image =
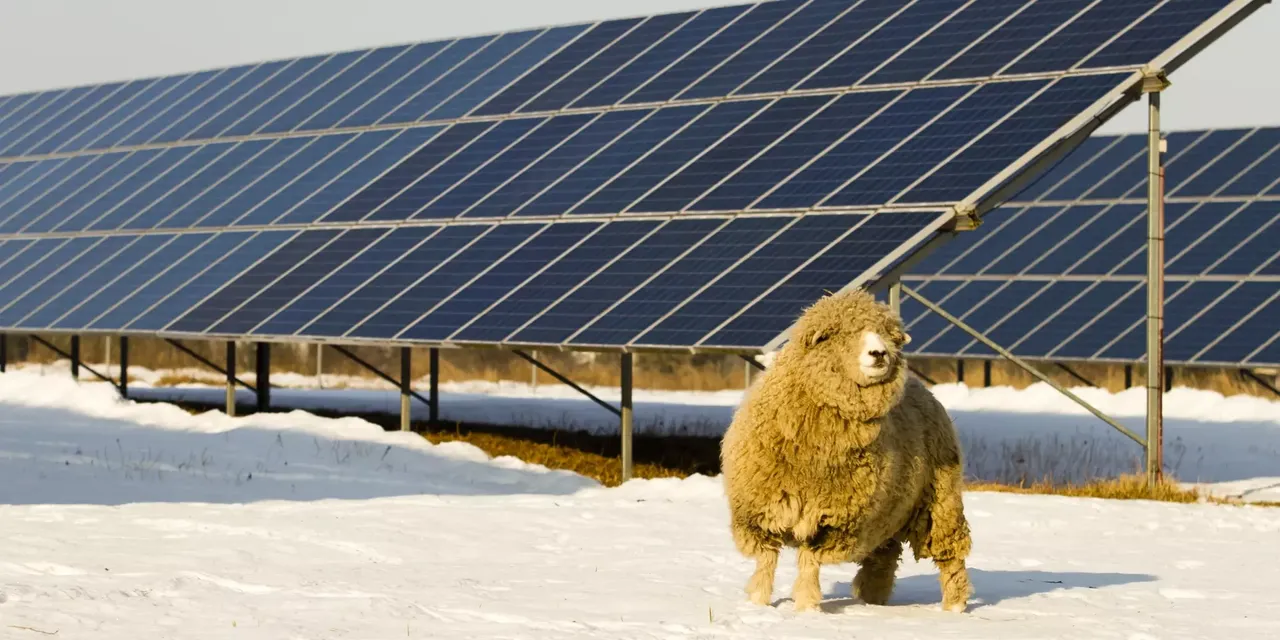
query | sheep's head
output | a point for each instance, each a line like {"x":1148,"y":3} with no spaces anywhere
{"x":851,"y":346}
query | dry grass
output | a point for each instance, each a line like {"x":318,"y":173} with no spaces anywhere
{"x":1128,"y":487}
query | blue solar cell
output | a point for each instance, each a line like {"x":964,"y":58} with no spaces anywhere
{"x":441,"y":279}
{"x":341,"y":282}
{"x":608,"y":60}
{"x":185,"y":205}
{"x":44,"y":122}
{"x":11,"y":250}
{"x":130,"y":278}
{"x":663,"y":54}
{"x":418,"y":80}
{"x":102,"y":109}
{"x":503,"y":167}
{"x":40,"y":266}
{"x":556,"y":281}
{"x":1069,"y":46}
{"x":1004,"y":231}
{"x":1235,"y":227}
{"x":432,"y":184}
{"x":822,"y":46}
{"x":288,"y":182}
{"x":1079,"y":158}
{"x":1233,"y":303}
{"x":541,"y":174}
{"x":354,"y":168}
{"x":1260,"y":249}
{"x":172,"y":89}
{"x":1071,"y":315}
{"x":408,"y":268}
{"x":1180,"y":169}
{"x":1156,"y":33}
{"x":141,"y":209}
{"x":1249,"y":341}
{"x":999,"y":48}
{"x":92,"y":277}
{"x":34,"y":253}
{"x":175,"y":292}
{"x":725,"y":157}
{"x":563,"y":62}
{"x":504,"y":74}
{"x":1185,"y":223}
{"x":225,"y":202}
{"x":925,"y":324}
{"x":832,"y":271}
{"x":40,"y":194}
{"x":336,"y":86}
{"x":1110,"y":238}
{"x":1033,"y":122}
{"x":1099,"y":331}
{"x":753,"y":277}
{"x":402,"y":61}
{"x":50,"y":134}
{"x":1124,"y":152}
{"x":1029,"y":250}
{"x":47,"y":279}
{"x":306,"y":82}
{"x":852,"y":66}
{"x":156,"y":129}
{"x":729,"y":41}
{"x":76,"y":211}
{"x":106,"y":211}
{"x":944,"y":42}
{"x":208,"y":119}
{"x":113,"y":112}
{"x":499,"y":280}
{"x":885,"y":180}
{"x":24,"y":185}
{"x":1011,"y":314}
{"x":1182,"y":302}
{"x":492,"y":56}
{"x":266,"y":300}
{"x":678,"y":281}
{"x":404,"y":174}
{"x":1261,"y":178}
{"x":635,"y":182}
{"x":25,"y":113}
{"x":855,"y":153}
{"x":753,"y":59}
{"x":255,"y":276}
{"x":1215,"y":173}
{"x":585,"y":179}
{"x":612,"y":284}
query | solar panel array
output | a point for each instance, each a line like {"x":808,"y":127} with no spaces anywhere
{"x":689,"y":180}
{"x":1060,"y":272}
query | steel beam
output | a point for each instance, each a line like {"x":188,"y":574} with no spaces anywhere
{"x":231,"y":378}
{"x":986,"y":374}
{"x":4,"y":352}
{"x":627,"y":418}
{"x":977,"y":335}
{"x":75,"y":358}
{"x":124,"y":367}
{"x":1153,"y":85}
{"x":1256,"y":378}
{"x":895,"y":298}
{"x":378,"y":372}
{"x":263,"y":365}
{"x":406,"y":389}
{"x":434,"y":389}
{"x":1072,"y":372}
{"x":48,"y":345}
{"x":560,"y":377}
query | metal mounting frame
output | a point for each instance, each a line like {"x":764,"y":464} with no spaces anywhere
{"x":404,"y":383}
{"x":76,"y":365}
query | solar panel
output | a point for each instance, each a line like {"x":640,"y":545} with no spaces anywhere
{"x":1059,"y":271}
{"x":680,"y":181}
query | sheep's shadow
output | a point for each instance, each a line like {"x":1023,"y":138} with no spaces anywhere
{"x":990,"y":587}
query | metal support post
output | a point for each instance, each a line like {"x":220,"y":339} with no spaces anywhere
{"x":406,"y":389}
{"x":231,"y":379}
{"x":264,"y":376}
{"x":986,"y":374}
{"x":320,"y":366}
{"x":75,"y":357}
{"x":124,"y":367}
{"x":434,"y":390}
{"x":627,"y":469}
{"x":1153,"y":85}
{"x":1128,"y":376}
{"x":4,"y":352}
{"x":895,"y":298}
{"x":960,"y":371}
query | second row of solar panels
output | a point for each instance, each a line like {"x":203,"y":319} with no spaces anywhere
{"x":740,"y":50}
{"x":859,"y":149}
{"x":648,"y":282}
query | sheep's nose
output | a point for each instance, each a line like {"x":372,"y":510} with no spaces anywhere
{"x":878,"y":354}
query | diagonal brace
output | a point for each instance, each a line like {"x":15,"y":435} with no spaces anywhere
{"x":378,"y":372}
{"x":558,"y":376}
{"x":1018,"y":361}
{"x":753,"y":362}
{"x":206,"y":362}
{"x":1072,"y":372}
{"x":1258,"y":379}
{"x":84,"y":366}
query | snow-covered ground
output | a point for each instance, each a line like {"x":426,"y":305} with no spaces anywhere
{"x":124,"y":520}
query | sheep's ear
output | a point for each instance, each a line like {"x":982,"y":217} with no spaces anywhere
{"x":906,"y":339}
{"x":817,"y":336}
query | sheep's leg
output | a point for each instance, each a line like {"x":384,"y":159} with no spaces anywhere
{"x":760,"y":587}
{"x":874,"y":582}
{"x":807,"y":591}
{"x":955,"y":585}
{"x":946,"y":537}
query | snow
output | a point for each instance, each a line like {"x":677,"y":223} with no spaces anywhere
{"x":126,"y":520}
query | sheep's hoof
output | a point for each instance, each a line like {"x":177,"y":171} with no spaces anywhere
{"x":761,"y":598}
{"x":807,"y":606}
{"x":955,"y":607}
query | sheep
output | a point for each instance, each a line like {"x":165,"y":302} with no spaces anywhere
{"x":836,"y":451}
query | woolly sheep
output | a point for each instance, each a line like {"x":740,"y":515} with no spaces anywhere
{"x":836,"y":451}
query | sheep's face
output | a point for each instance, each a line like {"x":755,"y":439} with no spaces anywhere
{"x":877,"y":359}
{"x":855,"y":337}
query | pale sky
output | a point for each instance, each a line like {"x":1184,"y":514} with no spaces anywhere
{"x":57,"y":43}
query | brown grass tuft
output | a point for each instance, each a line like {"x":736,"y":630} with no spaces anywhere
{"x":1128,"y":487}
